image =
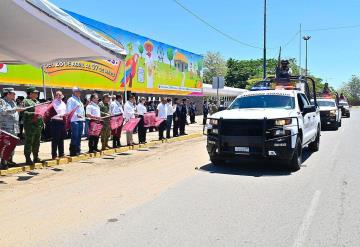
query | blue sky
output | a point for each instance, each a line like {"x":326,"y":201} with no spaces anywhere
{"x":334,"y":55}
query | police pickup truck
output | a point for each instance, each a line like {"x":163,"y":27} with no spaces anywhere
{"x":271,"y":124}
{"x":330,"y":112}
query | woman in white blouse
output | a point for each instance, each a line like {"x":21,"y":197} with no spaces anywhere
{"x":116,"y":108}
{"x":57,"y":126}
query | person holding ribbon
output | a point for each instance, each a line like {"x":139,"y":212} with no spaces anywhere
{"x":9,"y":120}
{"x":57,"y":126}
{"x":141,"y":110}
{"x":116,"y":108}
{"x":129,"y":113}
{"x":33,"y":125}
{"x":105,"y":112}
{"x":77,"y":121}
{"x":94,"y":114}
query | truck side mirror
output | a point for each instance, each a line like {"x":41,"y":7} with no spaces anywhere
{"x":309,"y":109}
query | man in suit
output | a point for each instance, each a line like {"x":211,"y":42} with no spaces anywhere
{"x":183,"y":115}
{"x":176,"y":117}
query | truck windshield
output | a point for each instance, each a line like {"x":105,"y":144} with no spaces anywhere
{"x":326,"y":103}
{"x":263,"y":101}
{"x":343,"y":104}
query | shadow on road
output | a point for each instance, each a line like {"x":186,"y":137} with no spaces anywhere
{"x":263,"y":168}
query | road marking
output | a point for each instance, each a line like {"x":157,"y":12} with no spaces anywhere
{"x":302,"y":233}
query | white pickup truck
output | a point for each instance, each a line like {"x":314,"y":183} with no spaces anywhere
{"x":270,"y":124}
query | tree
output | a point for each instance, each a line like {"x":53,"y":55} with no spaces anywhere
{"x":199,"y":66}
{"x":351,"y":89}
{"x":170,"y":55}
{"x":141,"y":50}
{"x":214,"y":65}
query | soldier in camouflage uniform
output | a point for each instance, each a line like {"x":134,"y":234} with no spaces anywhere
{"x":106,"y":131}
{"x":9,"y":118}
{"x":32,"y":126}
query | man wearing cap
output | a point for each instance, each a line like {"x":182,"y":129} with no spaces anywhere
{"x":77,"y":121}
{"x":105,"y":112}
{"x":32,"y":125}
{"x":9,"y":118}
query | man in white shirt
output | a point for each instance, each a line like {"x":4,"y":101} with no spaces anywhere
{"x":170,"y":112}
{"x":141,"y":110}
{"x":116,"y":108}
{"x":129,"y":113}
{"x":93,"y":112}
{"x":57,"y":126}
{"x":162,"y":114}
{"x":77,"y":121}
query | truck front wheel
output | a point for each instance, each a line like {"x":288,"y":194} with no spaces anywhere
{"x":295,"y":162}
{"x":216,"y":161}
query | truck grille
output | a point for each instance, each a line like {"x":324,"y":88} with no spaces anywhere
{"x":241,"y":127}
{"x":324,"y":113}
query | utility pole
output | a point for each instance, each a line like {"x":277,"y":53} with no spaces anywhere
{"x":264,"y":58}
{"x":306,"y":38}
{"x":300,"y":48}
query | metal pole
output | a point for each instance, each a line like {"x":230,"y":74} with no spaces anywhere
{"x":217,"y":91}
{"x":306,"y":57}
{"x":125,"y":94}
{"x":264,"y":59}
{"x":43,"y":81}
{"x":300,"y":47}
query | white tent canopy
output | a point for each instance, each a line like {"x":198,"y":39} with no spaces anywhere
{"x":37,"y":32}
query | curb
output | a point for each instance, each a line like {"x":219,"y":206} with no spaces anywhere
{"x":68,"y":159}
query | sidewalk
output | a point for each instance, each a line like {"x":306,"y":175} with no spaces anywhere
{"x":45,"y":147}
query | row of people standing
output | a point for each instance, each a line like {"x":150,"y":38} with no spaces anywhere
{"x":173,"y":113}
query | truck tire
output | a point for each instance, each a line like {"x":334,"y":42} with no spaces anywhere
{"x":336,"y":126}
{"x":296,"y":160}
{"x":315,"y":145}
{"x":340,"y":123}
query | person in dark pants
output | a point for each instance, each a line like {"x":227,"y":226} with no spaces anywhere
{"x":170,"y":112}
{"x":176,"y":117}
{"x":192,"y":111}
{"x":183,"y":115}
{"x":205,"y":111}
{"x":57,"y":126}
{"x":94,"y":114}
{"x":141,"y":110}
{"x":162,"y":114}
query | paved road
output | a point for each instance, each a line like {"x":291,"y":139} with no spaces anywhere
{"x":158,"y":198}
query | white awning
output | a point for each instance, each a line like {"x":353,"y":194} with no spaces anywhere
{"x":37,"y":32}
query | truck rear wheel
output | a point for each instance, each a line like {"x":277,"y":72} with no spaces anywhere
{"x":296,"y":161}
{"x":315,"y":145}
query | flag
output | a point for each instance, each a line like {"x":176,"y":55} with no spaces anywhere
{"x":116,"y":122}
{"x":95,"y":128}
{"x":3,"y":68}
{"x":68,"y":116}
{"x":158,"y":121}
{"x":45,"y":110}
{"x":8,"y":143}
{"x":149,"y":119}
{"x":131,"y":125}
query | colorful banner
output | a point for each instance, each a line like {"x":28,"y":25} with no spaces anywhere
{"x":151,"y":67}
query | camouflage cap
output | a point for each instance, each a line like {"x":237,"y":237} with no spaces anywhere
{"x":31,"y":90}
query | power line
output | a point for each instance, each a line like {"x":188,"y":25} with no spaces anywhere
{"x":332,"y":28}
{"x":215,"y":28}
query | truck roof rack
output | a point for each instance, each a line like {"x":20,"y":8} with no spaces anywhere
{"x":300,"y":83}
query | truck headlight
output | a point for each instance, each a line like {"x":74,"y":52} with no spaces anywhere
{"x":212,"y":124}
{"x":279,"y":132}
{"x":214,"y":121}
{"x":333,"y":113}
{"x":283,"y":122}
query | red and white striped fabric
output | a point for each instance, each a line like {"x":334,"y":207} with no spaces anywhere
{"x":3,"y":68}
